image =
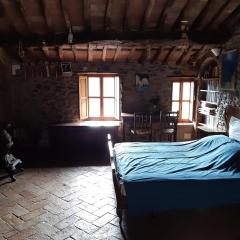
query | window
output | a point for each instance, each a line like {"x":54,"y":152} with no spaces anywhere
{"x":99,"y":97}
{"x":182,"y":99}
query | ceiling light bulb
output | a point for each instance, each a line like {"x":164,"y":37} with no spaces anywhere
{"x":70,"y":36}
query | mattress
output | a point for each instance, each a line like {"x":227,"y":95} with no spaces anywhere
{"x":167,"y":176}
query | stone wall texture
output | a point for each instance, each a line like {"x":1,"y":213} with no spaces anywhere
{"x":41,"y":97}
{"x":5,"y":94}
{"x":230,"y":97}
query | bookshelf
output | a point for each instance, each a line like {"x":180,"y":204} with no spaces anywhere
{"x":207,"y":96}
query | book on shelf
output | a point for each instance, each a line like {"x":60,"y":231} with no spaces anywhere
{"x":206,"y":103}
{"x":207,"y":110}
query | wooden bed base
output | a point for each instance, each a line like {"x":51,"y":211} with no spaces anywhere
{"x":229,"y":112}
{"x":121,"y":200}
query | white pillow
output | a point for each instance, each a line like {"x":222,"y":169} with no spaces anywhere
{"x":234,"y":128}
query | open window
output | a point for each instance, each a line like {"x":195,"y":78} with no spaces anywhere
{"x":99,"y":97}
{"x":182,"y":99}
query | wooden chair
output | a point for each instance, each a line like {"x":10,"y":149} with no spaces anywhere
{"x":168,"y":125}
{"x":142,"y":126}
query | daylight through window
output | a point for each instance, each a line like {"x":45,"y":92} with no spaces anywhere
{"x":99,"y":97}
{"x":182,"y":99}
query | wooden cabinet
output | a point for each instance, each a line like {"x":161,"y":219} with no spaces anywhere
{"x":207,"y":96}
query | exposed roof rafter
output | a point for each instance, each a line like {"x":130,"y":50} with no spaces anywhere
{"x":107,"y":15}
{"x":147,"y":13}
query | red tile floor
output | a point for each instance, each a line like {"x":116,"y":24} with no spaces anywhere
{"x":59,"y":203}
{"x":77,"y":203}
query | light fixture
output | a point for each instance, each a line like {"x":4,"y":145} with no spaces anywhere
{"x":216,"y":51}
{"x":184,"y":29}
{"x":21,"y":52}
{"x":70,"y":36}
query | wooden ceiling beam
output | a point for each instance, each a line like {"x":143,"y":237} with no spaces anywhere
{"x":104,"y":54}
{"x":147,"y":13}
{"x":179,"y":19}
{"x":90,"y":53}
{"x":21,"y":7}
{"x":217,"y":14}
{"x":83,"y":37}
{"x":118,"y":50}
{"x":172,"y":14}
{"x":168,"y":55}
{"x":162,"y":15}
{"x":133,"y":49}
{"x":45,"y":15}
{"x":182,"y":56}
{"x":203,"y":52}
{"x":14,"y":18}
{"x":87,"y":15}
{"x":156,"y":56}
{"x":201,"y":15}
{"x":125,"y":16}
{"x":193,"y":58}
{"x":107,"y":15}
{"x":74,"y":50}
{"x":63,"y":5}
{"x":60,"y":53}
{"x":4,"y":57}
{"x":231,"y":19}
{"x":2,"y":10}
{"x":146,"y":56}
{"x":45,"y":50}
{"x":200,"y":50}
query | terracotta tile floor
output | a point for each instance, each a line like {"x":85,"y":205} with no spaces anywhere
{"x":59,"y":203}
{"x":78,"y":203}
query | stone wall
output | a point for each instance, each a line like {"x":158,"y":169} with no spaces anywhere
{"x":5,"y":94}
{"x":230,"y":97}
{"x":39,"y":100}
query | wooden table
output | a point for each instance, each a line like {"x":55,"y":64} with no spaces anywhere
{"x":128,"y":119}
{"x":203,"y":131}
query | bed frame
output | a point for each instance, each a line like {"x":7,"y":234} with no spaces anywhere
{"x":229,"y":112}
{"x":121,"y":200}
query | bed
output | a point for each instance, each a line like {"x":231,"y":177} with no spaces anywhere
{"x":150,"y":178}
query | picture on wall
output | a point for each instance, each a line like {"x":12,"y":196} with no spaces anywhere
{"x":66,"y":69}
{"x":142,"y":82}
{"x":229,"y":66}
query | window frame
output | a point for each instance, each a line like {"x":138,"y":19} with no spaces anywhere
{"x":181,"y":101}
{"x":101,"y":97}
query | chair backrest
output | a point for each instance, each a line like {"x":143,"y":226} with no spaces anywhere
{"x":142,"y":120}
{"x":169,"y":120}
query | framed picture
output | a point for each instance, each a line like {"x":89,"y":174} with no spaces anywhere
{"x":228,"y":69}
{"x":142,"y":82}
{"x":66,"y":69}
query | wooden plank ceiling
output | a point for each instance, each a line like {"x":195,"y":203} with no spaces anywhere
{"x":116,"y":30}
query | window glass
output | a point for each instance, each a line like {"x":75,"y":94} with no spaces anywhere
{"x":108,"y":107}
{"x":191,"y":112}
{"x":186,"y":91}
{"x":108,"y":86}
{"x":192,"y":91}
{"x":99,"y":97}
{"x":185,"y":110}
{"x":94,"y":107}
{"x":175,"y":91}
{"x":94,"y":86}
{"x":175,"y":106}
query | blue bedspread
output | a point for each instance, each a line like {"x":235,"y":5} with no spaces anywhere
{"x":167,"y":176}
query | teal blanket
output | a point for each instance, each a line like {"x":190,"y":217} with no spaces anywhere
{"x":200,"y":173}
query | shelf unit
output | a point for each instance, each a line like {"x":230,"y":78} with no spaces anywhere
{"x":207,"y":96}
